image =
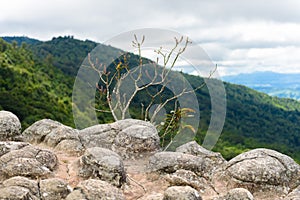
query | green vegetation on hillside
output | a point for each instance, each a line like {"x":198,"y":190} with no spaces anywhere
{"x":31,"y":89}
{"x":33,"y":86}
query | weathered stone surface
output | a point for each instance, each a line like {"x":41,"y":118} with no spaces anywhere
{"x":187,"y":178}
{"x":28,"y":161}
{"x":70,"y":146}
{"x":181,"y":193}
{"x":103,"y":164}
{"x":53,"y":134}
{"x":10,"y":126}
{"x":237,"y":194}
{"x":212,"y":160}
{"x":294,"y":195}
{"x":15,"y":193}
{"x":53,"y":189}
{"x":130,"y":138}
{"x":101,"y":135}
{"x":22,"y":182}
{"x":92,"y":189}
{"x":6,"y":147}
{"x":157,"y":196}
{"x":137,"y":140}
{"x":260,"y":168}
{"x":170,"y":162}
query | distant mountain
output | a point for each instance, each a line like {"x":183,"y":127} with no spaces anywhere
{"x":20,"y":39}
{"x":274,"y":84}
{"x":36,"y":82}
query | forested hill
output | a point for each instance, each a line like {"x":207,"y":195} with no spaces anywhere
{"x":36,"y":82}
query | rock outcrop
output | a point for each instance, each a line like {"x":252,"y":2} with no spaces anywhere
{"x":181,"y":193}
{"x":123,"y":160}
{"x":53,"y":134}
{"x":10,"y":126}
{"x":103,"y":164}
{"x":237,"y":194}
{"x":95,"y":190}
{"x":263,"y":169}
{"x":28,"y":161}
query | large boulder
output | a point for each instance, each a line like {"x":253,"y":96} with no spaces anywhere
{"x":20,"y":188}
{"x":10,"y":126}
{"x":53,"y":134}
{"x":53,"y":189}
{"x":212,"y":160}
{"x":187,"y":178}
{"x":130,"y":138}
{"x":103,"y":164}
{"x":170,"y":162}
{"x":28,"y":161}
{"x":181,"y":193}
{"x":92,"y":189}
{"x":101,"y":135}
{"x":237,"y":194}
{"x":137,"y":140}
{"x":260,"y":169}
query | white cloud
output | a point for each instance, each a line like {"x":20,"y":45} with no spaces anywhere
{"x":237,"y":35}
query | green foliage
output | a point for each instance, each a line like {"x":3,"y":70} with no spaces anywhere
{"x":32,"y":88}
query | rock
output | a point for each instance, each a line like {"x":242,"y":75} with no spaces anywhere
{"x":70,"y":146}
{"x":294,"y":195}
{"x":25,"y":184}
{"x":10,"y":126}
{"x":130,"y":138}
{"x":53,"y":189}
{"x":181,"y":193}
{"x":103,"y":164}
{"x":212,"y":160}
{"x":6,"y":147}
{"x":137,"y":141}
{"x":187,"y":178}
{"x":170,"y":162}
{"x":28,"y":161}
{"x":264,"y":169}
{"x":101,"y":135}
{"x":92,"y":189}
{"x":15,"y":193}
{"x":53,"y":134}
{"x":237,"y":194}
{"x":156,"y":196}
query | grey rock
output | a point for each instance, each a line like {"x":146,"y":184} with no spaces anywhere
{"x":101,"y":135}
{"x":92,"y":189}
{"x":187,"y":178}
{"x":263,"y":168}
{"x":212,"y":160}
{"x":237,"y":194}
{"x":70,"y":146}
{"x":28,"y":161}
{"x":181,"y":193}
{"x":294,"y":195}
{"x":6,"y":147}
{"x":53,"y":134}
{"x":53,"y":189}
{"x":10,"y":126}
{"x":137,"y":141}
{"x":15,"y":193}
{"x":103,"y":164}
{"x":170,"y":162}
{"x":30,"y":185}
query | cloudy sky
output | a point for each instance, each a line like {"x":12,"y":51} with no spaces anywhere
{"x":240,"y":36}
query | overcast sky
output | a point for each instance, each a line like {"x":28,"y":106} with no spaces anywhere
{"x":239,"y":35}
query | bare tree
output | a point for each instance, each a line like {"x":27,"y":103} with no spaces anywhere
{"x":120,"y":85}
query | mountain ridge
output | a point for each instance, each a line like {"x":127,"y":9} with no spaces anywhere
{"x":253,"y":120}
